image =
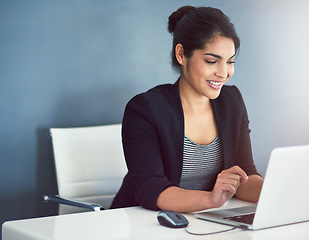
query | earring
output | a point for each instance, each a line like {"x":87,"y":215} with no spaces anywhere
{"x":180,"y":61}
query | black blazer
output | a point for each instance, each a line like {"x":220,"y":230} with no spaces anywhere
{"x":153,"y":136}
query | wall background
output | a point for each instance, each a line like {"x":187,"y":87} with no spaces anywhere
{"x":76,"y":63}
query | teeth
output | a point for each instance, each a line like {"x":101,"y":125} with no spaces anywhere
{"x":215,"y":83}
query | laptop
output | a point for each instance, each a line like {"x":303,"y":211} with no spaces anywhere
{"x":284,"y":197}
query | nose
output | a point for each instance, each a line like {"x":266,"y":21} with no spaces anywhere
{"x":221,"y":71}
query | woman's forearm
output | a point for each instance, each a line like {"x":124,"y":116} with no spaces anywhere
{"x":182,"y":200}
{"x":227,"y":184}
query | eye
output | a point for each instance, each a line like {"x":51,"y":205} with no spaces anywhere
{"x":231,"y":62}
{"x":210,"y":62}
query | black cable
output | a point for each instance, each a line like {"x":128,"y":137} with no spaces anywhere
{"x":210,"y":233}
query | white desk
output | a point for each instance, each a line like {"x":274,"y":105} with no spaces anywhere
{"x":135,"y":223}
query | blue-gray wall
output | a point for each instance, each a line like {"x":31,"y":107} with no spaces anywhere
{"x":77,"y":62}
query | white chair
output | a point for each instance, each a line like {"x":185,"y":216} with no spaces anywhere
{"x":90,"y":166}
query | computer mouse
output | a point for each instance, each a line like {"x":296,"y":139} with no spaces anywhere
{"x":172,"y":219}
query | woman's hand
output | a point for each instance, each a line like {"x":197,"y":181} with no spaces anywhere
{"x":227,"y":184}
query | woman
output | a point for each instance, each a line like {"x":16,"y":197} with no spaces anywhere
{"x":187,"y":144}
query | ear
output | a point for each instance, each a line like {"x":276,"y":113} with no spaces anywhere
{"x":179,"y":53}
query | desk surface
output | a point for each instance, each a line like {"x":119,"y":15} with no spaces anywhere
{"x":136,"y":223}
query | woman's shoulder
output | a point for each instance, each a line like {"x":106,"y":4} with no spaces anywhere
{"x":156,"y":95}
{"x":158,"y":105}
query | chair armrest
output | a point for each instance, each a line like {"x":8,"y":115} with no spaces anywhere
{"x":56,"y":198}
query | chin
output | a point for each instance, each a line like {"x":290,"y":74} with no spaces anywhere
{"x":214,"y":95}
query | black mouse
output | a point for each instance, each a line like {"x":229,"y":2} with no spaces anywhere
{"x":172,"y":219}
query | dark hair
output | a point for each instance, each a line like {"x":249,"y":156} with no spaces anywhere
{"x":195,"y":27}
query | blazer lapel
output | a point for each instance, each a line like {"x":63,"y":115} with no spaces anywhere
{"x":224,"y":130}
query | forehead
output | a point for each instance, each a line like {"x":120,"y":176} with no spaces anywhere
{"x":221,"y":46}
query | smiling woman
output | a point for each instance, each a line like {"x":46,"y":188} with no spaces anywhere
{"x":208,"y":69}
{"x":187,"y":145}
{"x":202,"y":78}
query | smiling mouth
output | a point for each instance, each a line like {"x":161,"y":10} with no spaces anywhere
{"x":215,"y":83}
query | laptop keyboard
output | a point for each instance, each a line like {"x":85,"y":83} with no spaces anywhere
{"x":245,"y":218}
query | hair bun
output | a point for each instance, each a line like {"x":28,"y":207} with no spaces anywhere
{"x":177,"y":16}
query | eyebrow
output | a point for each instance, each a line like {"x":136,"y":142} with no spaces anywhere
{"x":217,"y":56}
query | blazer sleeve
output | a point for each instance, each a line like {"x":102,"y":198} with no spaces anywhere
{"x":142,"y":149}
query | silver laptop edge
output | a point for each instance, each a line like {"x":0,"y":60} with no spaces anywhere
{"x":282,"y":199}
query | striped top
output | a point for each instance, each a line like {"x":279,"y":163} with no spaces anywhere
{"x":201,"y":164}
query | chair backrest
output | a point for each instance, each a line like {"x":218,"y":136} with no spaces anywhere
{"x":89,"y":163}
